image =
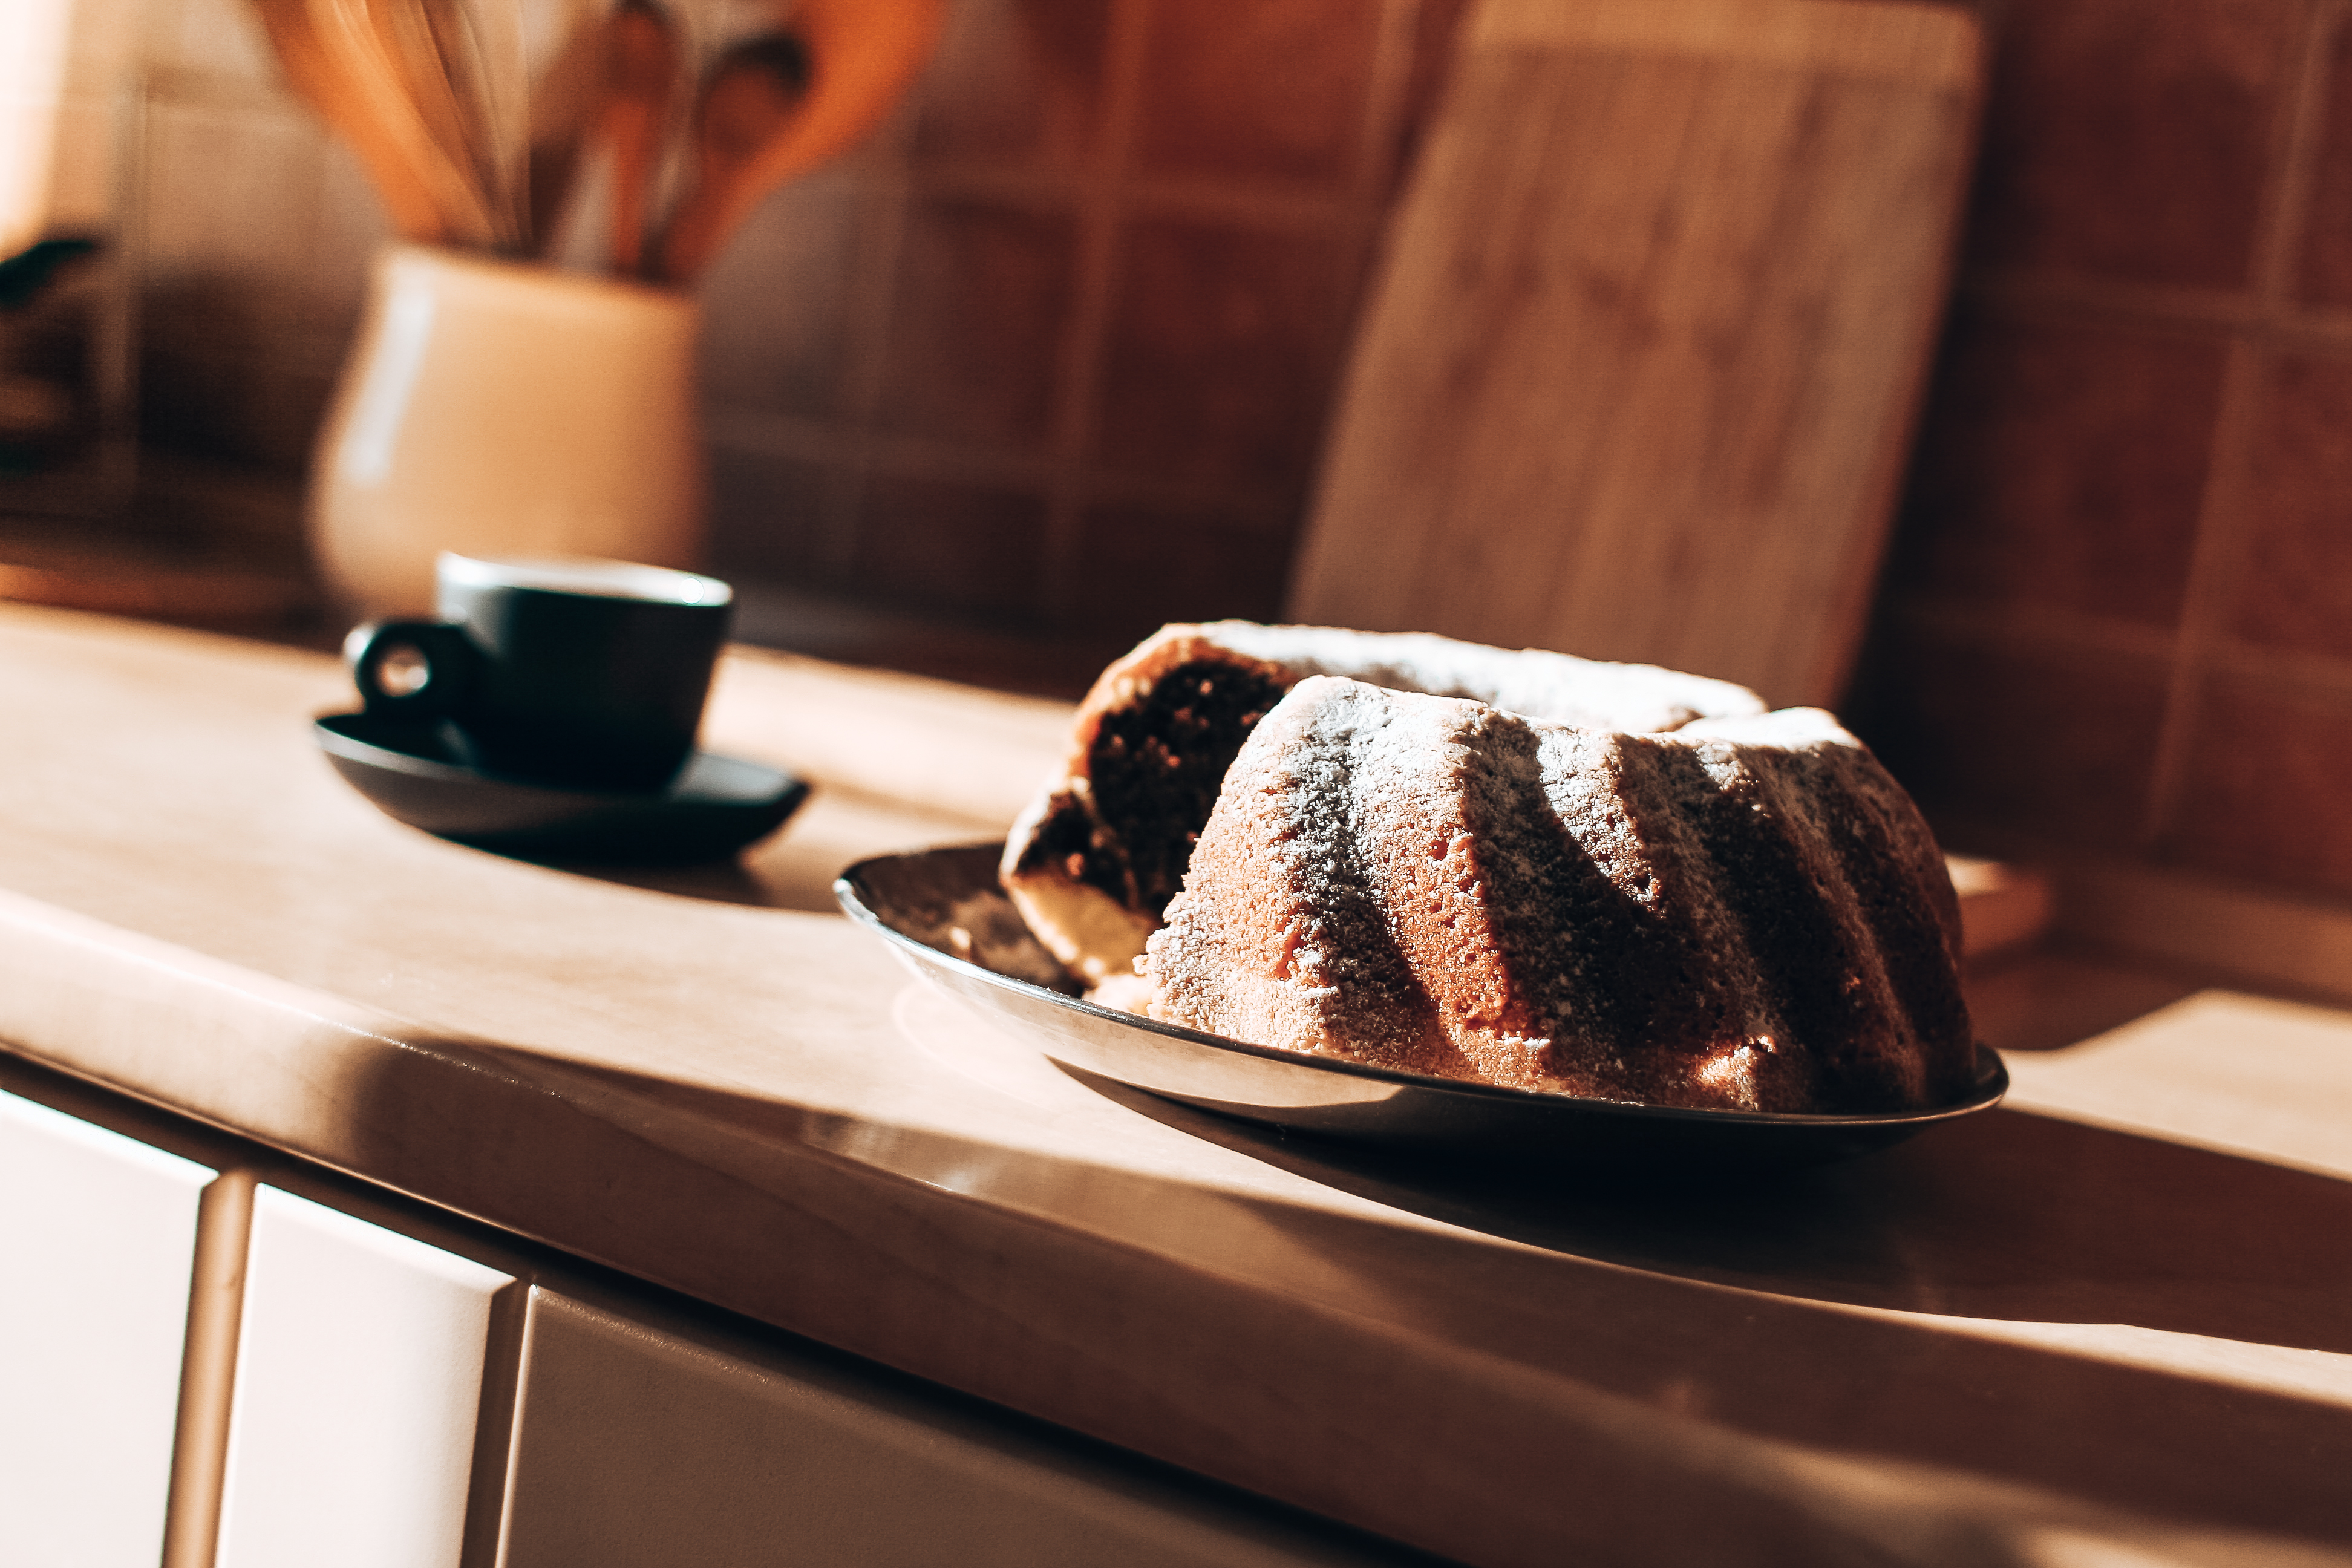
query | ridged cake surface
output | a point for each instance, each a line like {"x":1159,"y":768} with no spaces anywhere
{"x":1743,"y":913}
{"x":1103,"y":846}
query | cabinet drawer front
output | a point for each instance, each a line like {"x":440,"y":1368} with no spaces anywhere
{"x":634,"y":1447}
{"x":359,"y":1375}
{"x":98,"y":1236}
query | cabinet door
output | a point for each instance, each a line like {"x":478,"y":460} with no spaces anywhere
{"x":359,"y":1375}
{"x":634,"y":1446}
{"x":98,"y":1236}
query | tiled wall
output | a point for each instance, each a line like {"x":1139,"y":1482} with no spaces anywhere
{"x":1053,"y":349}
{"x":2119,"y":617}
{"x":1058,"y":347}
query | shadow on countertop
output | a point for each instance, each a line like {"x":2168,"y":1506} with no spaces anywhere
{"x":2006,"y":1216}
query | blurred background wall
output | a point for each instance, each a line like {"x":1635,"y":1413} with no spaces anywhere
{"x":2119,"y":613}
{"x":1060,"y":348}
{"x":1056,"y":352}
{"x":1052,"y":350}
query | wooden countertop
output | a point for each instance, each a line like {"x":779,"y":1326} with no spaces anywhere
{"x":2114,"y":1320}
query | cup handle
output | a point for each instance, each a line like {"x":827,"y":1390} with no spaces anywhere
{"x":413,"y":669}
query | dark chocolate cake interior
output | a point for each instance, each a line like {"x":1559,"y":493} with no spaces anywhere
{"x":1157,"y":765}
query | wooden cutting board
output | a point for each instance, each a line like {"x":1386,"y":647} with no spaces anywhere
{"x":1639,"y":368}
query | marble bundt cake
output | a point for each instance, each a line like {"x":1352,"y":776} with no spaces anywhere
{"x":1746,"y":912}
{"x":1103,"y":846}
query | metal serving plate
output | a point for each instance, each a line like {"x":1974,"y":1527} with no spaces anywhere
{"x":941,"y":910}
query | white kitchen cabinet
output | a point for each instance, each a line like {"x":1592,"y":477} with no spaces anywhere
{"x":373,"y":1394}
{"x":633,"y":1446}
{"x":359,"y":1378}
{"x":97,"y":1237}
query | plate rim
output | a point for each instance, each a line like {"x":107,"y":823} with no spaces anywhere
{"x":1991,"y":1074}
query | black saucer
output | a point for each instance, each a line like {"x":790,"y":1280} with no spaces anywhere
{"x":413,"y":772}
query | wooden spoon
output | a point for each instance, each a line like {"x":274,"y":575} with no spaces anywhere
{"x":566,"y":99}
{"x":640,"y":74}
{"x":332,"y":56}
{"x":378,"y":97}
{"x":462,"y":71}
{"x":749,"y":98}
{"x":754,"y":130}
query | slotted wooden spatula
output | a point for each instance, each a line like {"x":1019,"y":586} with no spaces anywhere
{"x":1639,"y":369}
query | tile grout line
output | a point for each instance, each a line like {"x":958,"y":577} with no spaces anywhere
{"x":768,"y":433}
{"x":1239,"y":201}
{"x":2072,"y":635}
{"x":2216,"y":557}
{"x":1080,"y":367}
{"x":1379,"y":138}
{"x":1995,"y":623}
{"x":885,"y":191}
{"x":2194,"y":313}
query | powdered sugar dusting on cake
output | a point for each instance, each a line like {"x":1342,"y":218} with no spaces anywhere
{"x":1729,"y":916}
{"x":1595,"y":693}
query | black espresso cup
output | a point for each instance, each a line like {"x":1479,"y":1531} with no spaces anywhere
{"x":582,"y":673}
